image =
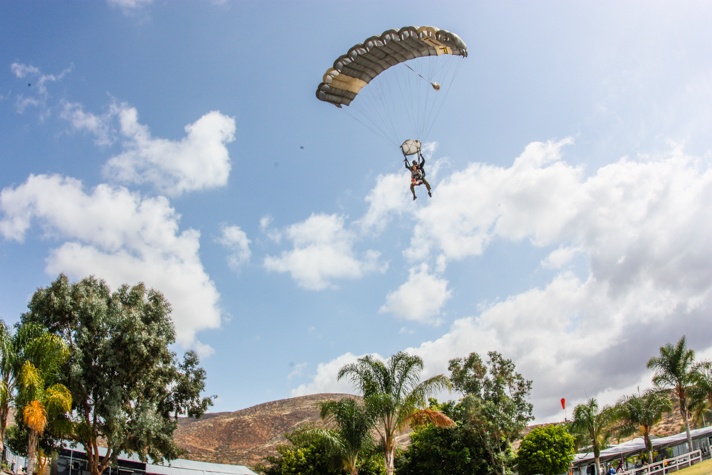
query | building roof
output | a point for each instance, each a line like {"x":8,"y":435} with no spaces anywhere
{"x":637,"y":445}
{"x":192,"y":467}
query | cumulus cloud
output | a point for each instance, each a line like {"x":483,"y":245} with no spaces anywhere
{"x":197,"y":162}
{"x":325,"y":381}
{"x":643,"y":226}
{"x":236,"y":242}
{"x":121,"y":237}
{"x":385,"y":199}
{"x":322,"y":251}
{"x":420,"y":298}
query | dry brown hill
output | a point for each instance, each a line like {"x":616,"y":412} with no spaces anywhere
{"x":247,"y":436}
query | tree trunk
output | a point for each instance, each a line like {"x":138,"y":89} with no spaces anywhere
{"x":3,"y":428}
{"x":390,"y":466}
{"x":683,"y":410}
{"x":32,"y":451}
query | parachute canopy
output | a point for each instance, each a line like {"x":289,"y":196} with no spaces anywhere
{"x":364,"y":61}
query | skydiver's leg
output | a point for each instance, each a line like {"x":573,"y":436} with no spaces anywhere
{"x":412,"y":190}
{"x":427,"y":185}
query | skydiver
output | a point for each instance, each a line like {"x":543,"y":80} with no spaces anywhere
{"x":417,"y":174}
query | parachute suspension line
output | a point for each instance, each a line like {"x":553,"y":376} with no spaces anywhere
{"x":449,"y":72}
{"x":434,"y":84}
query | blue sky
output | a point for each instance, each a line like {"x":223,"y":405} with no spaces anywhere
{"x":181,"y":144}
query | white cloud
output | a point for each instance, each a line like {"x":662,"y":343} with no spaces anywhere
{"x":199,"y":161}
{"x":643,"y":225}
{"x":531,"y":199}
{"x":130,"y":7}
{"x":37,"y":92}
{"x":322,"y":251}
{"x":99,"y":126}
{"x":121,"y":237}
{"x":236,"y":242}
{"x":389,"y":196}
{"x":325,"y":379}
{"x":420,"y":298}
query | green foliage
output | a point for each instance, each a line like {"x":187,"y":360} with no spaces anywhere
{"x":495,"y":403}
{"x":309,"y":454}
{"x":638,"y":413}
{"x":445,"y":451}
{"x":127,"y":386}
{"x":393,"y":394}
{"x":701,"y":392}
{"x":353,"y":430}
{"x":546,"y":450}
{"x":592,"y":426}
{"x":674,"y":369}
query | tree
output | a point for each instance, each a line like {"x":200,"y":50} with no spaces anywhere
{"x":701,"y":390}
{"x":394,"y":395}
{"x":40,"y":399}
{"x":548,"y":450}
{"x":594,"y":426}
{"x":308,"y":452}
{"x":353,"y":430}
{"x":673,"y":369}
{"x":496,"y":403}
{"x":127,"y":387}
{"x":640,"y":413}
{"x":304,"y":454}
{"x":13,"y":347}
{"x":435,"y":450}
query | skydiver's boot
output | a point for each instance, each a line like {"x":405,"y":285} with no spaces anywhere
{"x":415,"y":197}
{"x":430,"y":194}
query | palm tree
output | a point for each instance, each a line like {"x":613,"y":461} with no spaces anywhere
{"x":701,"y":390}
{"x":39,"y":400}
{"x":641,"y":413}
{"x":353,"y":430}
{"x":673,"y":369}
{"x":14,"y":349}
{"x":7,"y":377}
{"x":593,"y":426}
{"x":393,"y":394}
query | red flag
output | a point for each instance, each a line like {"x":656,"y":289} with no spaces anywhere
{"x":563,"y":403}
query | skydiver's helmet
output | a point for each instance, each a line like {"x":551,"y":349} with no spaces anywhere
{"x":415,"y":163}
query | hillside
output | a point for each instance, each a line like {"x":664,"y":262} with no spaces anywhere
{"x":247,"y":436}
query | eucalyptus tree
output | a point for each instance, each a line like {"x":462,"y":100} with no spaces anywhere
{"x":496,"y":403}
{"x":639,"y":413}
{"x":674,"y":369}
{"x":394,"y":395}
{"x":127,"y":386}
{"x":593,"y":426}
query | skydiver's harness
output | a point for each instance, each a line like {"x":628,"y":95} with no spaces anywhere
{"x":417,"y":173}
